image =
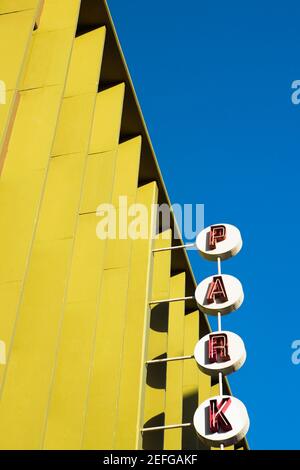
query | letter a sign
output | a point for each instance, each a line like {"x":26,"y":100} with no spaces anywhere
{"x":219,"y":294}
{"x":216,"y":290}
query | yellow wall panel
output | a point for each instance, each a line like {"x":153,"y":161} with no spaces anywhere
{"x":105,"y":373}
{"x":9,"y":294}
{"x":48,"y":58}
{"x":106,"y":196}
{"x":65,"y":423}
{"x":174,"y":384}
{"x":124,"y":163}
{"x":118,"y":250}
{"x":190,"y":380}
{"x":65,"y":418}
{"x":131,"y":394}
{"x":16,"y":218}
{"x":33,"y":131}
{"x":107,"y":122}
{"x":61,"y":198}
{"x":58,"y":14}
{"x":86,"y":275}
{"x":110,"y":327}
{"x":161,"y":269}
{"x":31,"y":315}
{"x":6,"y":111}
{"x":87,"y":261}
{"x":56,"y":221}
{"x":8,"y":291}
{"x":205,"y":389}
{"x":25,"y":394}
{"x":74,"y":124}
{"x":98,"y":181}
{"x":67,"y":397}
{"x":7,"y":6}
{"x":23,"y":176}
{"x":124,"y":195}
{"x":15,"y":33}
{"x":157,"y":340}
{"x":127,"y":170}
{"x":85,"y":63}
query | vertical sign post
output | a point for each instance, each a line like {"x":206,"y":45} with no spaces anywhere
{"x":221,"y":420}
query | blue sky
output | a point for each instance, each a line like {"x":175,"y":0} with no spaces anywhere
{"x":214,"y":82}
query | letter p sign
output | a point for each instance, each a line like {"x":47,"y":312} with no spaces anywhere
{"x":217,"y":234}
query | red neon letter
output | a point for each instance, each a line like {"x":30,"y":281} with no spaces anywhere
{"x":216,"y":290}
{"x":217,"y":234}
{"x":217,"y":419}
{"x":218,"y":348}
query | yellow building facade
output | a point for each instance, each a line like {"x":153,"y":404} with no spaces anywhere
{"x":75,"y":311}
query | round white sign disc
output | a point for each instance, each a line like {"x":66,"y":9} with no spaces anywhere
{"x":221,"y":420}
{"x":220,"y":293}
{"x":220,"y":351}
{"x":219,"y":241}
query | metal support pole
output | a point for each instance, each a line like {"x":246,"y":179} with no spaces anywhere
{"x":220,"y":329}
{"x":219,"y":322}
{"x":221,"y":393}
{"x":177,"y":299}
{"x":170,"y":426}
{"x":169,"y":359}
{"x":219,"y":266}
{"x":177,"y":247}
{"x":220,"y":383}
